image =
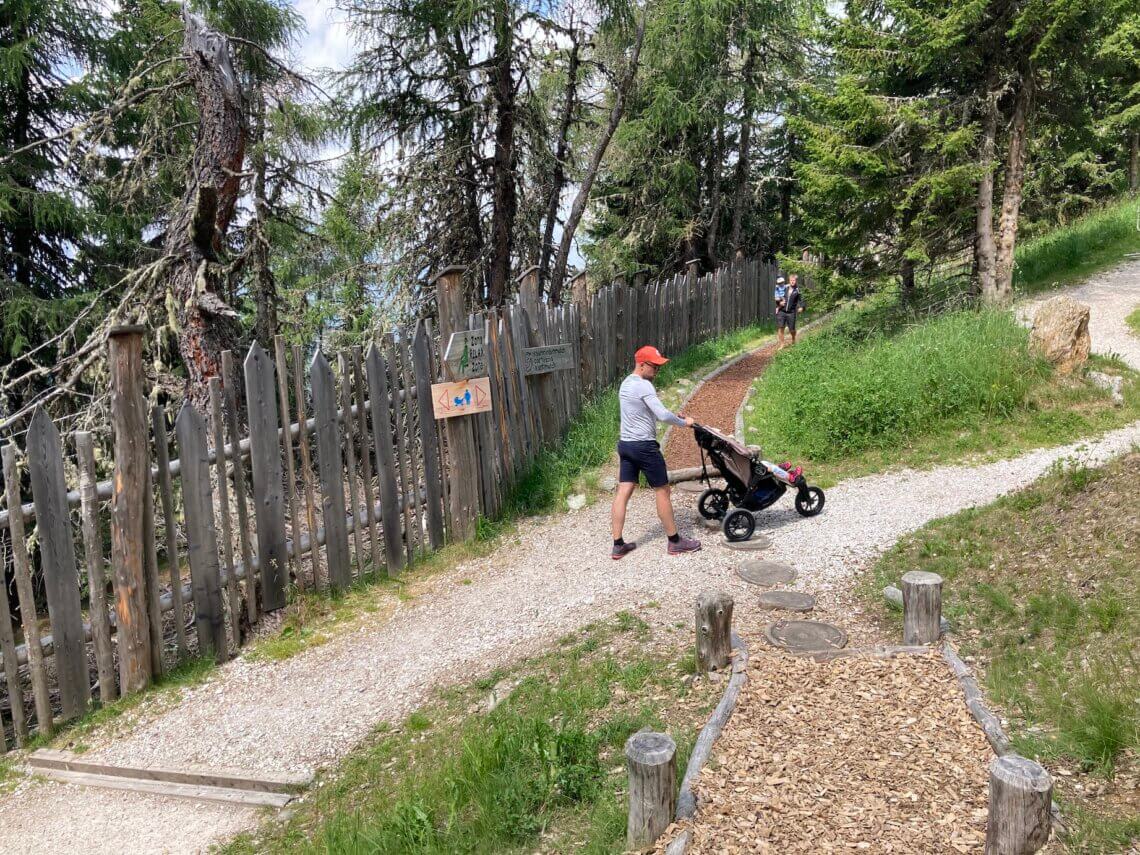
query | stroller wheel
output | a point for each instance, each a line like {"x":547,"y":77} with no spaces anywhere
{"x":809,"y":501}
{"x":738,"y":525}
{"x":713,"y":504}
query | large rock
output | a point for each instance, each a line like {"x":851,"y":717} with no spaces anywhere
{"x":1060,"y":333}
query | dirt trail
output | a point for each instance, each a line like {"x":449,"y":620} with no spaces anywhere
{"x":307,"y":711}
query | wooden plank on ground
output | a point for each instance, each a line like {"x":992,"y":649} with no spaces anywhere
{"x":96,"y":573}
{"x":332,"y":472}
{"x":202,"y":541}
{"x":57,"y":554}
{"x":223,"y":795}
{"x":22,"y":570}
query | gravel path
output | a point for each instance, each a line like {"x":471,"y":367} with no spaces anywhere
{"x":305,"y":712}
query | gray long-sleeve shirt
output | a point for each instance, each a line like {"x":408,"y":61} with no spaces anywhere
{"x":641,"y":409}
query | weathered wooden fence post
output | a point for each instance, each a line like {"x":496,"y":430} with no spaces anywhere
{"x":1021,"y":796}
{"x":429,"y":437}
{"x":268,"y":486}
{"x":332,"y":472}
{"x":651,"y":759}
{"x":714,"y":631}
{"x":128,"y":497}
{"x":96,"y":579}
{"x":205,"y":574}
{"x":922,"y":607}
{"x":378,"y":391}
{"x":462,"y":454}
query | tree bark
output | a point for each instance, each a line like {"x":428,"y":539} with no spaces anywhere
{"x":264,"y":286}
{"x":206,"y":324}
{"x":714,"y":181}
{"x":1021,"y":794}
{"x":583,"y":196}
{"x":740,"y":180}
{"x":504,"y":195}
{"x":651,"y":761}
{"x":984,"y":248}
{"x":1012,"y":193}
{"x":714,"y":631}
{"x":922,"y":607}
{"x":558,"y":179}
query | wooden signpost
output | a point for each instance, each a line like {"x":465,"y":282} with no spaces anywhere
{"x":543,"y":360}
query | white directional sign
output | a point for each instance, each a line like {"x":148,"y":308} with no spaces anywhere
{"x":554,"y":357}
{"x":465,"y":354}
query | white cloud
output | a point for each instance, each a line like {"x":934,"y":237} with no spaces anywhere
{"x":327,"y":43}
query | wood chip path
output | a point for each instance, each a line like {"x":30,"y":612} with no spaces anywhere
{"x":715,"y":404}
{"x":854,"y":754}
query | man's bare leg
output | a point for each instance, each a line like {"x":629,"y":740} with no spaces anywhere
{"x":779,"y":337}
{"x":665,"y":510}
{"x":793,"y":336}
{"x":617,"y":509}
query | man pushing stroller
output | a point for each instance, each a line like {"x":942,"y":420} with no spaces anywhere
{"x":639,"y":451}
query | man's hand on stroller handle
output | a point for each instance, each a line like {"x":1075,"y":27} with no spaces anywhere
{"x":689,"y":421}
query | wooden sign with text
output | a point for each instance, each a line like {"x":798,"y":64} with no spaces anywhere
{"x":542,"y":360}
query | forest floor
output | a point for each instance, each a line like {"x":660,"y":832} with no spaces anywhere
{"x":552,"y":575}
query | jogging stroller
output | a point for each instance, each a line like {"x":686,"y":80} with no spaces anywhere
{"x":751,"y":484}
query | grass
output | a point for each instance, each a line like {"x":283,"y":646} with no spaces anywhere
{"x":1133,"y":320}
{"x":1043,"y":586}
{"x":1096,"y":241}
{"x":529,"y":757}
{"x":956,"y":386}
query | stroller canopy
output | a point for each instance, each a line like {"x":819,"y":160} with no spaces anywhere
{"x":736,"y":457}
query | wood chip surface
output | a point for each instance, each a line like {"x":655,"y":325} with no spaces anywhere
{"x":855,"y":754}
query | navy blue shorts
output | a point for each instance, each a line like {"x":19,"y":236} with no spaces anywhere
{"x":642,"y":456}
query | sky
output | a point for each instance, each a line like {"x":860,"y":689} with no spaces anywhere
{"x":327,"y":43}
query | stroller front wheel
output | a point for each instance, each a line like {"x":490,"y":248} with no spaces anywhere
{"x":739,"y":525}
{"x":713,"y":504}
{"x":809,"y":501}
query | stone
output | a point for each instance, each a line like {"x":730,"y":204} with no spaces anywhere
{"x":1060,"y":333}
{"x":576,"y":502}
{"x":766,"y":573}
{"x":608,"y":483}
{"x":711,"y":525}
{"x":1111,"y":383}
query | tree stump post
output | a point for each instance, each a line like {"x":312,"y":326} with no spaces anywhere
{"x":651,"y":760}
{"x":1021,"y":795}
{"x":922,"y":607}
{"x":714,"y":631}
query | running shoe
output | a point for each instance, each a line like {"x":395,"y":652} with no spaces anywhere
{"x":685,"y":544}
{"x":620,"y":552}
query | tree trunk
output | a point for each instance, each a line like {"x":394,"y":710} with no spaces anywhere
{"x":906,"y":275}
{"x":1011,"y":195}
{"x":741,"y":190}
{"x":264,"y":286}
{"x":1134,"y":162}
{"x":504,"y":196}
{"x":583,"y":196}
{"x":558,"y":179}
{"x":714,"y":181}
{"x":984,"y":248}
{"x":714,"y":631}
{"x":206,"y":324}
{"x":1021,"y":795}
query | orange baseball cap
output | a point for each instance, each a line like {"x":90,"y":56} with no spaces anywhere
{"x":649,"y":354}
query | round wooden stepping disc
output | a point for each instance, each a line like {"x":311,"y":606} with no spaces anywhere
{"x":805,"y":636}
{"x":757,"y":541}
{"x":767,"y":573}
{"x":697,"y":487}
{"x":793,"y":601}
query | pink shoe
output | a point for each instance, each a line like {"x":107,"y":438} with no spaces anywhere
{"x":685,"y":544}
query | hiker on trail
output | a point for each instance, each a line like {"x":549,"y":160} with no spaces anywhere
{"x":788,"y":305}
{"x":639,"y":451}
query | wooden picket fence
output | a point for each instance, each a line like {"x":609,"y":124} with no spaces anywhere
{"x":348,"y":474}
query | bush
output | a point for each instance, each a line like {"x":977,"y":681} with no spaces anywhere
{"x":832,"y":396}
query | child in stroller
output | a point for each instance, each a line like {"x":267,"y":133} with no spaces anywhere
{"x":751,"y":484}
